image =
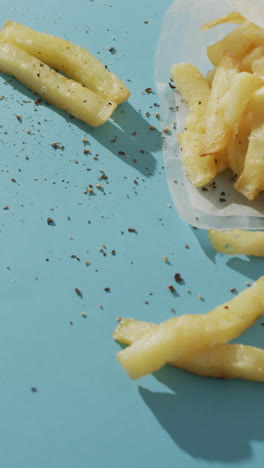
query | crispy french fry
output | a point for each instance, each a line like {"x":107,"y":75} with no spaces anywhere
{"x":251,"y":182}
{"x":200,"y":171}
{"x":254,"y":34}
{"x":181,"y":337}
{"x":210,"y":77}
{"x":238,"y":146}
{"x":252,"y":56}
{"x":232,"y":17}
{"x":72,"y":60}
{"x":52,"y":86}
{"x":242,"y":87}
{"x":238,"y":242}
{"x":217,"y":131}
{"x":235,"y":42}
{"x":230,"y":361}
{"x":195,"y":91}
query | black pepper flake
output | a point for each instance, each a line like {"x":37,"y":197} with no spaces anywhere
{"x":71,"y":322}
{"x":37,"y":101}
{"x":149,"y":90}
{"x":19,"y":117}
{"x":172,"y":86}
{"x":75,"y":256}
{"x":222,"y":199}
{"x":55,"y":145}
{"x":78,"y":292}
{"x":50,"y":222}
{"x":178,"y":278}
{"x":204,"y":189}
{"x":13,"y":180}
{"x":233,"y":290}
{"x":113,"y":252}
{"x":34,"y":389}
{"x":107,"y":290}
{"x":5,"y":207}
{"x":122,"y":153}
{"x":132,"y":230}
{"x":171,"y":288}
{"x":86,"y":151}
{"x":112,"y":49}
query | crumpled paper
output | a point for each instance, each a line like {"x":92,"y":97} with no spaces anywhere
{"x":182,"y":40}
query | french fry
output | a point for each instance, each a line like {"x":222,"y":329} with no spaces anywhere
{"x":251,"y":57}
{"x":238,"y":145}
{"x":242,"y":87}
{"x":254,"y":34}
{"x":233,"y":17}
{"x":238,"y":242}
{"x":181,"y":337}
{"x":229,"y":361}
{"x":235,"y":42}
{"x":200,"y":171}
{"x":217,"y":131}
{"x":195,"y":91}
{"x":72,"y":60}
{"x":249,"y":182}
{"x":56,"y":89}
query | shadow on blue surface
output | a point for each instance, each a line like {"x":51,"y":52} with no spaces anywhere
{"x":251,"y":267}
{"x":131,"y":140}
{"x":203,"y":239}
{"x":210,"y":419}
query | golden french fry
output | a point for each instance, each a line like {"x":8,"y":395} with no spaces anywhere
{"x":56,"y":89}
{"x":183,"y":336}
{"x":195,"y":91}
{"x":217,"y":130}
{"x":252,"y":56}
{"x":238,"y":145}
{"x":200,"y":171}
{"x":210,"y":77}
{"x":249,"y":182}
{"x":72,"y":60}
{"x":230,"y":361}
{"x":242,"y":87}
{"x":232,"y":17}
{"x":254,"y":34}
{"x":238,"y":242}
{"x":235,"y":42}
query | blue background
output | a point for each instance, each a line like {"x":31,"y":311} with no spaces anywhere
{"x":86,"y":412}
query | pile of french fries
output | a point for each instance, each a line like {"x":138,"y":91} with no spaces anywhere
{"x":224,"y":127}
{"x":197,"y":343}
{"x":91,"y":92}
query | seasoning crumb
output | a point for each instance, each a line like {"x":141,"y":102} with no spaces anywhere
{"x":149,"y":90}
{"x":132,"y":230}
{"x":5,"y":207}
{"x":226,"y":307}
{"x":118,"y":318}
{"x":153,"y":127}
{"x":50,"y":222}
{"x":171,"y":288}
{"x":233,"y":290}
{"x":187,"y":246}
{"x":55,"y":145}
{"x":113,"y":252}
{"x":19,"y":117}
{"x":107,"y":290}
{"x":166,"y":129}
{"x":248,"y":283}
{"x":87,"y":262}
{"x":83,"y":314}
{"x":200,"y":297}
{"x":178,"y":278}
{"x":165,"y":259}
{"x":34,"y":389}
{"x":188,"y":291}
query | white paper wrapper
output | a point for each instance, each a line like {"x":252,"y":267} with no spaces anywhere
{"x":182,"y":40}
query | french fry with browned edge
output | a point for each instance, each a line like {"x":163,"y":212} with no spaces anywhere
{"x":229,"y":361}
{"x":72,"y":60}
{"x":238,"y":242}
{"x":186,"y":335}
{"x":56,"y":89}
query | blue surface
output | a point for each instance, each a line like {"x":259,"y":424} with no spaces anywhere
{"x":86,"y":412}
